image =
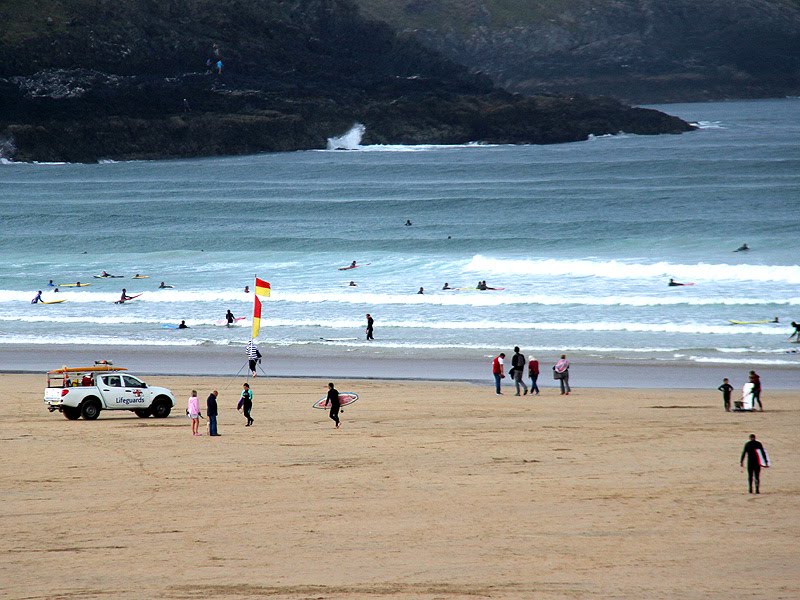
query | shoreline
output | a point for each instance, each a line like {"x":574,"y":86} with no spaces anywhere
{"x":230,"y":361}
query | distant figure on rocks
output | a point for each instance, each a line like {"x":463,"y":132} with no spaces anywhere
{"x":219,"y":67}
{"x":186,"y":107}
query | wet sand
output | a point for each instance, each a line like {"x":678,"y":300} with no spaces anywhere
{"x":429,"y":491}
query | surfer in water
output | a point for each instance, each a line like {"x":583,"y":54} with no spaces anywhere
{"x":247,"y":289}
{"x":37,"y":298}
{"x":446,"y":286}
{"x":370,"y":325}
{"x":124,"y":296}
{"x":333,"y":402}
{"x":51,"y":284}
{"x":183,"y":325}
{"x":742,"y":248}
{"x":352,"y":284}
{"x":229,"y":318}
{"x":796,"y":333}
{"x":421,"y":290}
{"x":164,"y":286}
{"x":353,"y":265}
{"x":673,"y":283}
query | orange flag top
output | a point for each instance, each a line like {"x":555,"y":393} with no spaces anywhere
{"x":262,"y":287}
{"x":256,"y":317}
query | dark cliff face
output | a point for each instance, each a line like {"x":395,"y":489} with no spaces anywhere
{"x":635,"y":50}
{"x":96,"y":79}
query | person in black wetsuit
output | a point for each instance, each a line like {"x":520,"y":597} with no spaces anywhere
{"x":333,"y":402}
{"x":183,"y":325}
{"x":726,"y":389}
{"x":246,"y":403}
{"x":751,"y":449}
{"x":229,"y":318}
{"x":370,"y":325}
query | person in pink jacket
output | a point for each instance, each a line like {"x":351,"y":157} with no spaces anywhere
{"x":193,"y":410}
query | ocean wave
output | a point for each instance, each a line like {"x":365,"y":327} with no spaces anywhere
{"x":617,"y":269}
{"x":743,"y":361}
{"x":91,"y":340}
{"x":467,"y":297}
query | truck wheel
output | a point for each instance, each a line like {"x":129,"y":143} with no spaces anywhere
{"x":71,"y":412}
{"x":142,"y":412}
{"x":90,"y":409}
{"x":161,"y":407}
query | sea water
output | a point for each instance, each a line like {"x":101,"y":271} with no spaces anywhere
{"x":583,"y":238}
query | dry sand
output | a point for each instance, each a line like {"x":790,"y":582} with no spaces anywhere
{"x":433,"y":491}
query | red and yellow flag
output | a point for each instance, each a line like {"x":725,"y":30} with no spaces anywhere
{"x":262,"y":287}
{"x":256,"y":317}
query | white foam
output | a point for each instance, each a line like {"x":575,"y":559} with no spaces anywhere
{"x":617,"y":269}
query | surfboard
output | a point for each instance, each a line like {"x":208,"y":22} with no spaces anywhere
{"x":166,"y":287}
{"x":165,"y":326}
{"x":348,"y":267}
{"x":141,"y":277}
{"x":108,"y":277}
{"x":474,"y":289}
{"x":74,"y":285}
{"x":345,"y":398}
{"x":224,"y":322}
{"x":763,"y":459}
{"x":53,"y":301}
{"x":128,"y":300}
{"x":761,"y":322}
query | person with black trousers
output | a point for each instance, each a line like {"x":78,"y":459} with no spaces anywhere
{"x":333,"y":402}
{"x":246,"y":403}
{"x":212,"y":412}
{"x":752,"y":449}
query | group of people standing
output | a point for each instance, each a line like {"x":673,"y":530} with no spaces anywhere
{"x":517,"y":373}
{"x":212,"y":410}
{"x":751,"y":394}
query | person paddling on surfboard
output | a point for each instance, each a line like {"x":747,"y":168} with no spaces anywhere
{"x":673,"y":283}
{"x":333,"y":402}
{"x":742,"y":248}
{"x":124,"y":296}
{"x":37,"y":298}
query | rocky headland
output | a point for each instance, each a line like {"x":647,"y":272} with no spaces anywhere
{"x":95,"y":79}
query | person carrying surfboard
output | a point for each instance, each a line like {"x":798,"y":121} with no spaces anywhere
{"x":756,"y":458}
{"x":333,"y":401}
{"x":796,"y":333}
{"x":124,"y":296}
{"x":229,"y":318}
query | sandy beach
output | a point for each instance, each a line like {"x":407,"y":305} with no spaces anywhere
{"x":430,"y":490}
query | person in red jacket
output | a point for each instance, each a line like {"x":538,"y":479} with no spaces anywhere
{"x":497,"y":371}
{"x":533,"y":373}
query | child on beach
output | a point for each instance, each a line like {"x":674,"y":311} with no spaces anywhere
{"x":726,"y":389}
{"x":193,"y":410}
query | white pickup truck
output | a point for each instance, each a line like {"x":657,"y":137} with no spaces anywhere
{"x":85,"y":391}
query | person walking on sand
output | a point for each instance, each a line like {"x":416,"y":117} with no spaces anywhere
{"x":756,"y":458}
{"x":246,"y":404}
{"x":726,"y":389}
{"x":497,"y":371}
{"x":533,"y":373}
{"x":370,"y":325}
{"x":211,"y":412}
{"x":193,"y":410}
{"x":756,"y":381}
{"x":253,"y":356}
{"x":333,"y":401}
{"x":518,"y":368}
{"x":561,"y":372}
